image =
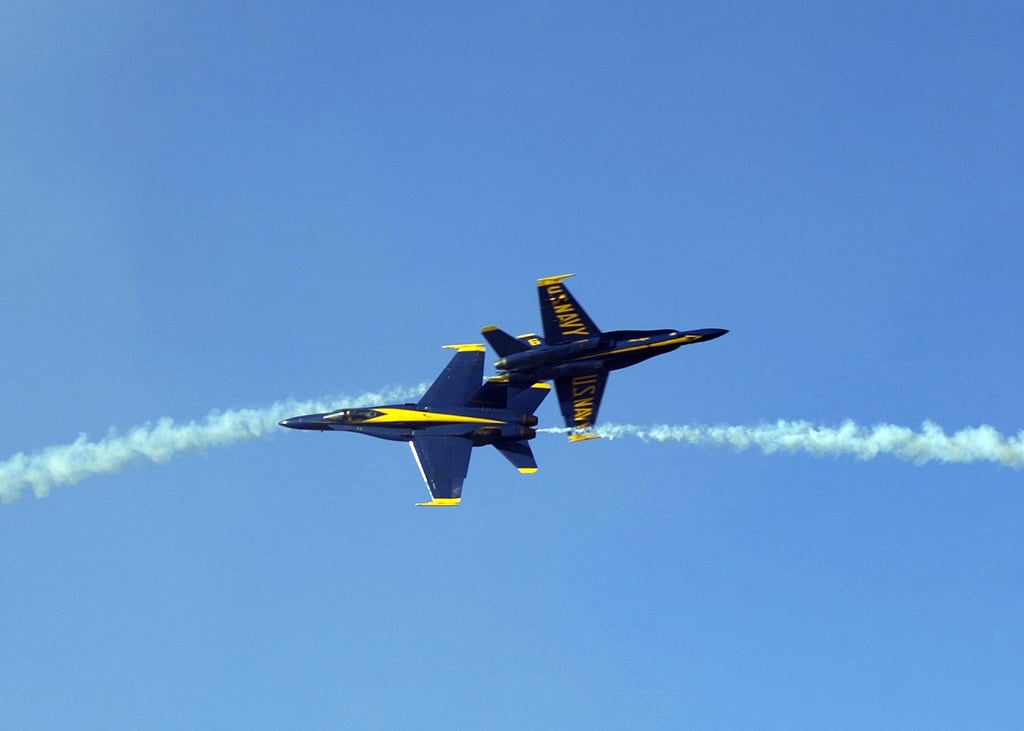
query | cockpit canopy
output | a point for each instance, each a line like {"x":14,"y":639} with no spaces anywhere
{"x":353,"y":415}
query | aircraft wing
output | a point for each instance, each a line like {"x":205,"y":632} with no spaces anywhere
{"x":443,"y":462}
{"x":459,"y":380}
{"x":563,"y":318}
{"x":579,"y":397}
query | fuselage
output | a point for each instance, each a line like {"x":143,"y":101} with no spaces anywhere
{"x":401,"y":422}
{"x":608,"y":351}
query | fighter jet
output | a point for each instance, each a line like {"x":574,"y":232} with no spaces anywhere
{"x":456,"y":414}
{"x":576,"y":355}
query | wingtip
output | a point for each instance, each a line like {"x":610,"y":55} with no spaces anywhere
{"x":440,"y":502}
{"x":527,"y":470}
{"x":583,"y":436}
{"x":545,"y":281}
{"x":466,"y":347}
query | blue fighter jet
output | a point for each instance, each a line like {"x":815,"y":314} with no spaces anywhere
{"x":576,"y":355}
{"x":456,"y":414}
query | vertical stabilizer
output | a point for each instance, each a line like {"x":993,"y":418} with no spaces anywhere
{"x":503,"y":343}
{"x":460,"y":378}
{"x":526,"y":399}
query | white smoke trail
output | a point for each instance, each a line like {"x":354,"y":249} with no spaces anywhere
{"x":67,"y":464}
{"x":976,"y":444}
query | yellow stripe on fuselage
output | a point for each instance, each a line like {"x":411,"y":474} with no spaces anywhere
{"x":415,"y":416}
{"x":684,"y":340}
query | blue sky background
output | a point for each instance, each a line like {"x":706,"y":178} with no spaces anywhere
{"x":211,"y":209}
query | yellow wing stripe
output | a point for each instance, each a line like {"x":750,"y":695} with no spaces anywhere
{"x":466,"y":347}
{"x":441,"y":502}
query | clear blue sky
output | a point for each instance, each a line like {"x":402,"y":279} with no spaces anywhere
{"x":213,"y":209}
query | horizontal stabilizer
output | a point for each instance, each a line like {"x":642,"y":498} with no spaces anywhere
{"x":519,"y":454}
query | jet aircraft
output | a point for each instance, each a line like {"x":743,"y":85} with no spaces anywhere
{"x":576,"y":355}
{"x":456,"y":414}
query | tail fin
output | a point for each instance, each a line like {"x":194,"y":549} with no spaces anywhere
{"x":459,"y":379}
{"x":519,"y":454}
{"x":503,"y":343}
{"x":564,"y":320}
{"x":492,"y":395}
{"x":525,"y":399}
{"x":499,"y":393}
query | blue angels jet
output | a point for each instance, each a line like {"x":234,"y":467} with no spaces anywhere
{"x":456,"y":414}
{"x":576,"y":355}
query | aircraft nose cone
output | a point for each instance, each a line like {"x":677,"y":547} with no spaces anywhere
{"x":309,"y":421}
{"x":706,"y":333}
{"x":296,"y":422}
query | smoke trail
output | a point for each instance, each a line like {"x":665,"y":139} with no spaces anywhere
{"x":67,"y":464}
{"x":976,"y":444}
